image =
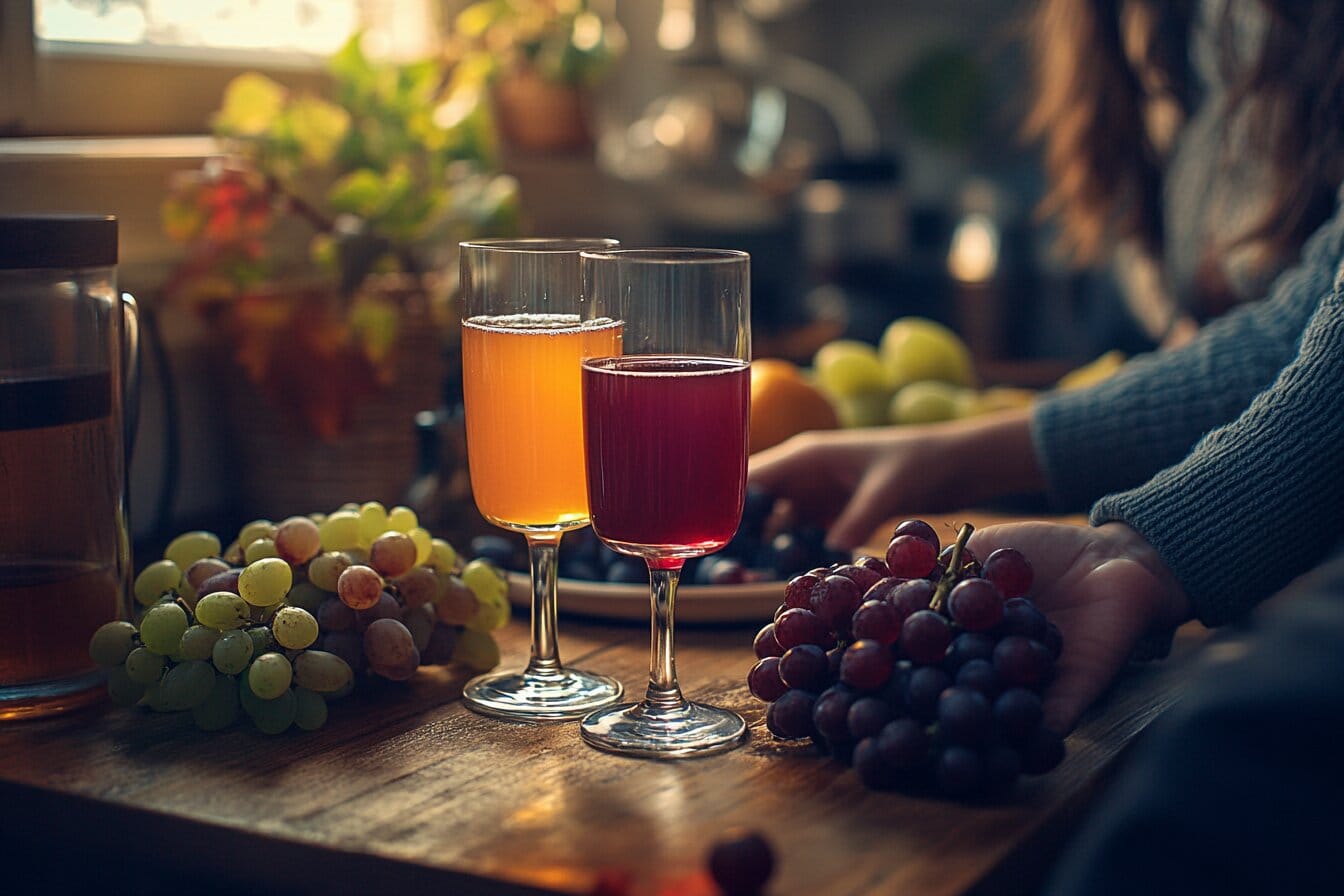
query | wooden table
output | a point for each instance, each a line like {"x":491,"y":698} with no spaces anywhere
{"x":406,"y":791}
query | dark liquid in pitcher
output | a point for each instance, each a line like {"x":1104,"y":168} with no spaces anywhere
{"x":60,"y":520}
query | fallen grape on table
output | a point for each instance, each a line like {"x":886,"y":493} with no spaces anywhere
{"x":292,"y":615}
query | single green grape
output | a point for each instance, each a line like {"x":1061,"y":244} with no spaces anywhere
{"x":144,"y":667}
{"x":111,"y":644}
{"x":124,"y":690}
{"x":261,"y":639}
{"x":197,"y":642}
{"x":372,"y":522}
{"x":254,"y":530}
{"x":325,"y":569}
{"x":442,"y":556}
{"x":154,"y":697}
{"x":294,"y":628}
{"x":310,"y":710}
{"x":340,"y":531}
{"x":189,"y":547}
{"x":307,"y":596}
{"x":186,"y":685}
{"x":269,"y":675}
{"x":424,"y":545}
{"x":232,"y":652}
{"x":323,"y":672}
{"x":265,"y":582}
{"x":155,"y":580}
{"x":491,"y":588}
{"x":222,"y":611}
{"x":220,"y":709}
{"x":476,"y":650}
{"x":260,"y":550}
{"x":402,"y":519}
{"x":161,"y":628}
{"x":274,"y":716}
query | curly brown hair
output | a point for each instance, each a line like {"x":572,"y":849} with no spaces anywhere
{"x":1095,"y":79}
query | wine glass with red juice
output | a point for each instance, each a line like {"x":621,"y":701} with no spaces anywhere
{"x":665,"y":432}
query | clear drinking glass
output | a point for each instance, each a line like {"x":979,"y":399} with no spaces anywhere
{"x":665,"y":423}
{"x":524,"y":335}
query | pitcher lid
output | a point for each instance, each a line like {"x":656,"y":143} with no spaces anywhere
{"x":57,"y":241}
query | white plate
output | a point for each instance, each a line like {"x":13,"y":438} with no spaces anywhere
{"x":754,"y":603}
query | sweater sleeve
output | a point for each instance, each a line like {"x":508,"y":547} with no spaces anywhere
{"x":1257,"y":501}
{"x":1148,"y":416}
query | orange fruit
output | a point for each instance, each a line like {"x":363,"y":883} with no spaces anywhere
{"x":784,"y":404}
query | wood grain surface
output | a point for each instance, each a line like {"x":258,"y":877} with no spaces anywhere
{"x":406,"y":791}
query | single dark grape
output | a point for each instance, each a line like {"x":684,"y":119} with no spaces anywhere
{"x":911,"y":596}
{"x":741,"y":862}
{"x":765,"y":644}
{"x":968,"y":646}
{"x":919,"y":529}
{"x":798,"y":626}
{"x":872,"y":768}
{"x":921,"y":694}
{"x":805,"y":667}
{"x":975,"y":604}
{"x":877,"y":621}
{"x":979,"y":676}
{"x":963,"y":715}
{"x":910,"y":556}
{"x":925,"y":636}
{"x":830,"y":714}
{"x":628,"y":571}
{"x":786,"y":554}
{"x":882,"y":589}
{"x":866,"y":665}
{"x":904,"y":744}
{"x":861,"y":576}
{"x":728,"y":571}
{"x":1009,"y":570}
{"x":1017,"y":712}
{"x":798,"y":592}
{"x":1021,"y":662}
{"x":968,"y":558}
{"x":1042,"y":752}
{"x":958,"y":771}
{"x":868,"y":716}
{"x":897,"y":686}
{"x":790,"y":716}
{"x":1001,"y":766}
{"x":837,"y":603}
{"x":1020,"y":617}
{"x":498,"y":549}
{"x":757,"y":502}
{"x":764,"y":682}
{"x":874,"y":564}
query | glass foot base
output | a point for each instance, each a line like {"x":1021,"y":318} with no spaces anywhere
{"x":537,"y":697}
{"x":640,"y":729}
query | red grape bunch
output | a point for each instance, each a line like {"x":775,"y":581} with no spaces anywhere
{"x":923,"y":669}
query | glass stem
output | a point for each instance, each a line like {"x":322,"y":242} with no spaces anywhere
{"x":543,"y":551}
{"x":664,"y":694}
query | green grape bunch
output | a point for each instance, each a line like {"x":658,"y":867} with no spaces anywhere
{"x":291,"y":615}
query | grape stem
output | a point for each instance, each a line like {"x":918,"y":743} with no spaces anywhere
{"x":953,"y":571}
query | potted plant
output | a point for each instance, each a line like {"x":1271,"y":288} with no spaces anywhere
{"x":313,"y":246}
{"x":540,"y":58}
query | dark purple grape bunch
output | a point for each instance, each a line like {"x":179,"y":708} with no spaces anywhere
{"x":923,"y":669}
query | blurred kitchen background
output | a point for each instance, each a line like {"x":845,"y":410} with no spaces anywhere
{"x":864,"y":152}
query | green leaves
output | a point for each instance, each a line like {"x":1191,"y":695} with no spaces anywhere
{"x":252,"y":103}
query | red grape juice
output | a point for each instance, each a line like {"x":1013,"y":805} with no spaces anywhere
{"x":666,"y":442}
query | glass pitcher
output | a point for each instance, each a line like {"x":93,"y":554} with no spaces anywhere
{"x":68,"y":362}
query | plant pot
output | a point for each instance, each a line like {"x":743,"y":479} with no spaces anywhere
{"x":537,"y":115}
{"x":283,"y":466}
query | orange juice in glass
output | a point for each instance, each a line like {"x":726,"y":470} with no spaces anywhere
{"x":521,"y":375}
{"x":524,"y":339}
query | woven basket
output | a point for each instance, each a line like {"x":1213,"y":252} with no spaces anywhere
{"x":282,"y":468}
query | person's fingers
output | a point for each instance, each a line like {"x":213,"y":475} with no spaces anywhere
{"x":776,"y":466}
{"x":870,"y":504}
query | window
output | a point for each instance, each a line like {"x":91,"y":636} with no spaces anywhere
{"x":128,"y":67}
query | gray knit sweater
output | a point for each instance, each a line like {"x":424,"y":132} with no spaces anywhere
{"x":1227,"y":455}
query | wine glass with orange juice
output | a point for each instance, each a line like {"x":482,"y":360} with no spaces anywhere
{"x":524,"y":339}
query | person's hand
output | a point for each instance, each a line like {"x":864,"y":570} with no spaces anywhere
{"x":1105,"y":587}
{"x":854,"y":479}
